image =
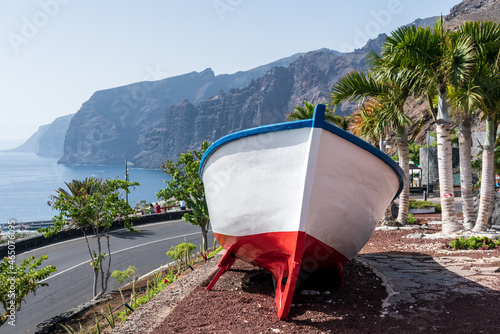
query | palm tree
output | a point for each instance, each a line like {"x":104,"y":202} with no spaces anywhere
{"x":466,"y":99}
{"x":307,"y":112}
{"x":480,"y":92}
{"x":368,"y":122}
{"x":391,"y":97}
{"x":435,"y":59}
{"x":87,"y":186}
{"x":342,"y":122}
{"x":491,"y":111}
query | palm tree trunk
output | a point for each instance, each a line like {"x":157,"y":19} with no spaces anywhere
{"x":445,"y":170}
{"x":487,"y":179}
{"x":404,"y":163}
{"x":465,"y":143}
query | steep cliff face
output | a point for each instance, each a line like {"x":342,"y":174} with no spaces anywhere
{"x":51,"y":143}
{"x":146,"y":123}
{"x":113,"y":123}
{"x":264,"y":101}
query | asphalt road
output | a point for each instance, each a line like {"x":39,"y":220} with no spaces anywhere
{"x":71,"y":285}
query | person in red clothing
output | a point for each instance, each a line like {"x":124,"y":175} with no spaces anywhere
{"x":158,"y":208}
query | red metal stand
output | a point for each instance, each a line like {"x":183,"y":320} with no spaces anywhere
{"x":284,"y":292}
{"x":224,"y":265}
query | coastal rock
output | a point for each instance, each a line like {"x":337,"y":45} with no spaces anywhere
{"x":473,"y":10}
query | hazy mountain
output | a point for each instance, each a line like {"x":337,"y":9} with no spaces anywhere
{"x":116,"y":123}
{"x":154,"y":131}
{"x":48,"y":140}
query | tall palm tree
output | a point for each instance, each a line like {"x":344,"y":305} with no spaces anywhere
{"x":391,"y":95}
{"x":491,"y":111}
{"x":435,"y":59}
{"x":466,"y":100}
{"x":480,"y":92}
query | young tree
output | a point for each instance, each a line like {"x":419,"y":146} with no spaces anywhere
{"x":92,"y":205}
{"x":17,"y":281}
{"x":186,"y":185}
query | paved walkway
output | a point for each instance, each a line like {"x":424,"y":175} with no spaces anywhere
{"x":409,"y":278}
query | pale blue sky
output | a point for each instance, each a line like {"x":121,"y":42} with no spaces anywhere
{"x":54,"y":54}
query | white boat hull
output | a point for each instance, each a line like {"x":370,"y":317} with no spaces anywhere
{"x":290,"y":193}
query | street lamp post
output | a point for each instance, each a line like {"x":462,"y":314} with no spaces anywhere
{"x":126,"y":178}
{"x":427,"y":191}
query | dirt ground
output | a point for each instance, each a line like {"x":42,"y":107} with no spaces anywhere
{"x":242,"y":301}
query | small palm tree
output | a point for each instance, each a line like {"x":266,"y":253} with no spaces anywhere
{"x":370,"y":122}
{"x":78,"y":188}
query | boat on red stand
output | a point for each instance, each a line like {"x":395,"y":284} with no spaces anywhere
{"x":295,"y":196}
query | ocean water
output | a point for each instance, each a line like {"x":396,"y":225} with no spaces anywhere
{"x":27,"y":181}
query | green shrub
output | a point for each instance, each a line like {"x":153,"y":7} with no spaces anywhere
{"x":414,"y":203}
{"x":411,"y":219}
{"x":121,"y":276}
{"x":473,"y":242}
{"x":417,"y":204}
{"x":182,"y":251}
{"x":437,"y":208}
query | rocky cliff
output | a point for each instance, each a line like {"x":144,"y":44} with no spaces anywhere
{"x":473,"y":10}
{"x":113,"y":123}
{"x":264,"y":101}
{"x":48,"y":141}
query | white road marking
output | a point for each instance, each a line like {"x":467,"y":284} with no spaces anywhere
{"x":111,"y":232}
{"x":119,"y":251}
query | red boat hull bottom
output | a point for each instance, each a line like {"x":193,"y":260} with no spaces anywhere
{"x":286,"y":255}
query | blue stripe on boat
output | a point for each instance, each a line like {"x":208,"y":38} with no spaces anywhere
{"x":317,"y":122}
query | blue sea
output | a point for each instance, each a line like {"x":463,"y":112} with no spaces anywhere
{"x":27,"y":181}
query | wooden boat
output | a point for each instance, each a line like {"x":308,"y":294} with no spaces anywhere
{"x":294,"y":197}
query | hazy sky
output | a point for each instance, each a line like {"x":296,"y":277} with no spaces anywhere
{"x":54,"y":54}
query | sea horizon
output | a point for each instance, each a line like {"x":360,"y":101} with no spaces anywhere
{"x":27,"y":181}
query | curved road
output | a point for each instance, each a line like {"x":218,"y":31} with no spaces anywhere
{"x":71,"y":285}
